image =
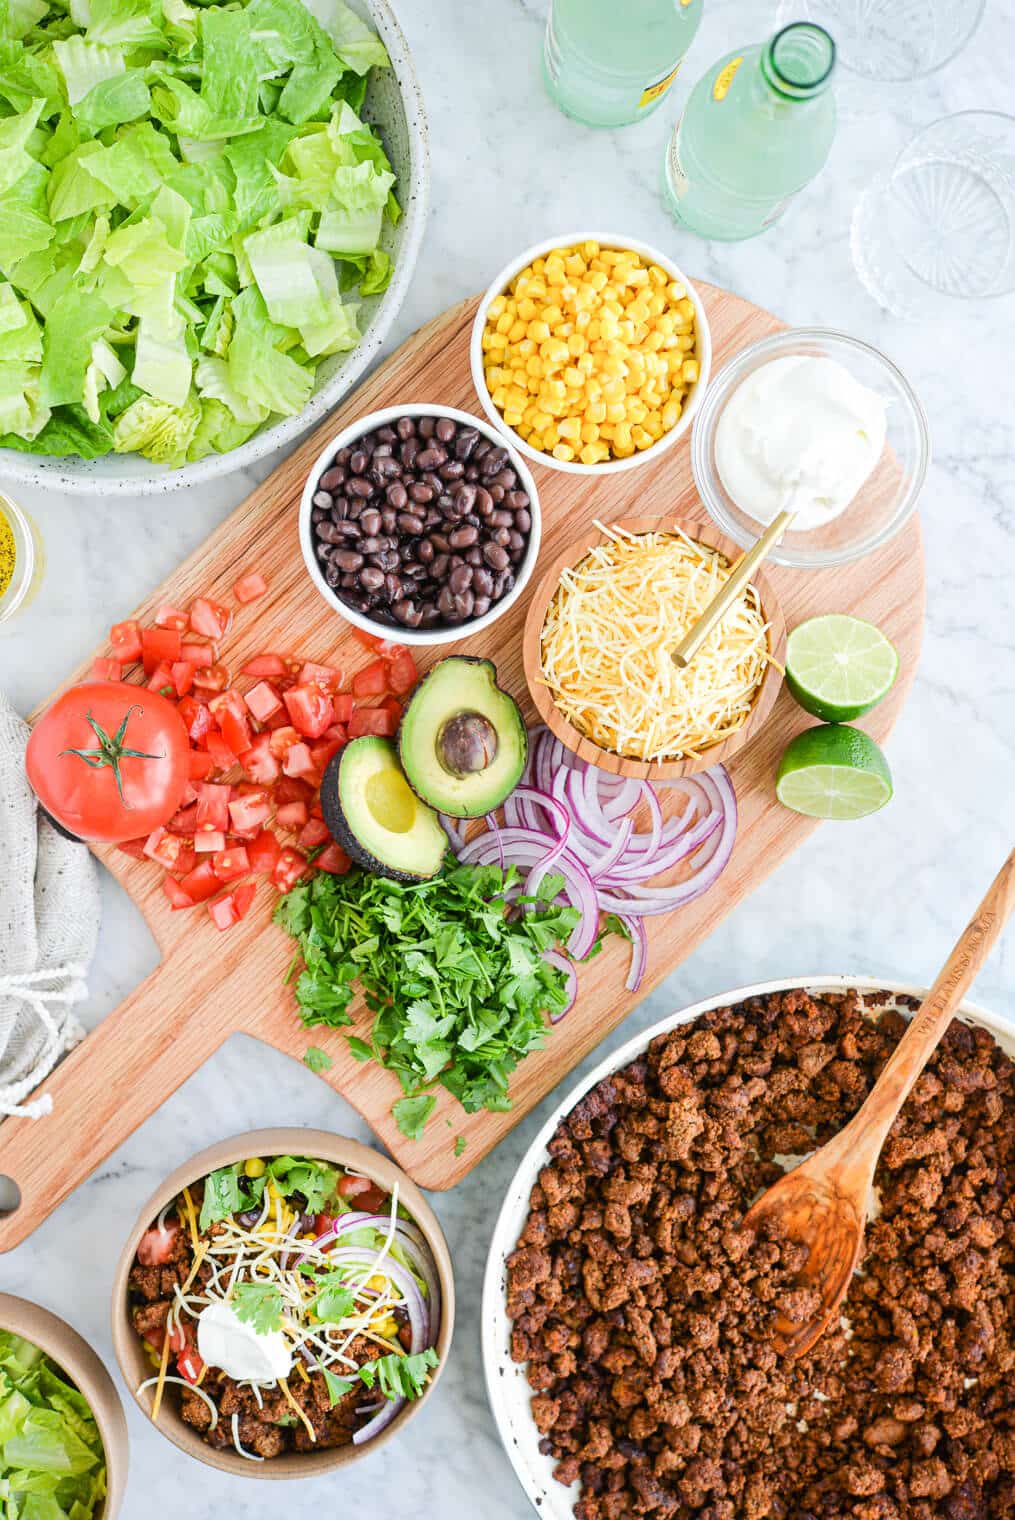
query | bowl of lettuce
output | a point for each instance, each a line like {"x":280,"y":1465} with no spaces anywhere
{"x":209,"y":215}
{"x":63,"y":1436}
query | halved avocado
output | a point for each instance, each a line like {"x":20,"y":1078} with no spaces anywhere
{"x":375,"y":815}
{"x":462,"y":740}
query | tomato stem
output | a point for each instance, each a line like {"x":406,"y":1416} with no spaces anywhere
{"x":112,"y":750}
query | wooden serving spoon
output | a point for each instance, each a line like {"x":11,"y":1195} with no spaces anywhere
{"x":822,"y":1203}
{"x":735,"y":586}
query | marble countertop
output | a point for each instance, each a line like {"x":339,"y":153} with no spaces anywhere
{"x":508,"y":170}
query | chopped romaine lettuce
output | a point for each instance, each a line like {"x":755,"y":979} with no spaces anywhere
{"x":52,"y":1464}
{"x":191,"y":208}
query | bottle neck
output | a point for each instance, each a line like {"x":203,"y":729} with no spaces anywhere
{"x":797,"y":63}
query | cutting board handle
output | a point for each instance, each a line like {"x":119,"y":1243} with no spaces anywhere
{"x":104,"y":1089}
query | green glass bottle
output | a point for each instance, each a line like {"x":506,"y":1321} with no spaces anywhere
{"x":610,"y":62}
{"x":757,"y":128}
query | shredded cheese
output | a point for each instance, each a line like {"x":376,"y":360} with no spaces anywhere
{"x":161,"y":1380}
{"x":290,"y":1400}
{"x":609,"y":635}
{"x":191,"y":1217}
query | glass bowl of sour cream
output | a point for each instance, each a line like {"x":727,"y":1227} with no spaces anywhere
{"x":817,"y":422}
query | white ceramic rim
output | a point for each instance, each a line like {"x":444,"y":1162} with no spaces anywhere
{"x":703,"y":351}
{"x":507,"y":1390}
{"x":24,"y":557}
{"x":395,"y":631}
{"x":726,"y":382}
{"x":17,"y":466}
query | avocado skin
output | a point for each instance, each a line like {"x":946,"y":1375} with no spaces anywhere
{"x":341,"y":828}
{"x":510,"y":733}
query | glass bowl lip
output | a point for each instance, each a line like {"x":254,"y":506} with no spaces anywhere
{"x":19,"y":586}
{"x":979,"y":6}
{"x":722,"y":385}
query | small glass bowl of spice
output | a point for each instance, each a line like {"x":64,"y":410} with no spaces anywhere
{"x":20,"y":558}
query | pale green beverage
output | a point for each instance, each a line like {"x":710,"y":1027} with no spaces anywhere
{"x":610,"y":62}
{"x":757,"y":128}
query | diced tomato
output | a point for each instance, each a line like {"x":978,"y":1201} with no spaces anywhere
{"x":336,"y":731}
{"x":126,"y":641}
{"x":281,"y":718}
{"x":207,"y":840}
{"x":310,"y":709}
{"x":324,"y":675}
{"x":270,"y":665}
{"x":263,"y":701}
{"x":201,"y":883}
{"x":290,"y":789}
{"x":323,"y":1223}
{"x":259,"y":762}
{"x":225,"y":702}
{"x":282,"y":741}
{"x":334,"y":860}
{"x":201,"y":765}
{"x":209,"y":619}
{"x":323,"y":754}
{"x":343,"y":707}
{"x":393,"y":706}
{"x":161,"y":680}
{"x":190,"y":1365}
{"x":370,"y":1196}
{"x":183,"y":676}
{"x":106,"y":670}
{"x":176,"y":894}
{"x":250,"y":812}
{"x":156,"y":1246}
{"x":213,"y":805}
{"x":402,"y":674}
{"x":292,"y":815}
{"x":289,"y":867}
{"x":187,"y":858}
{"x":372,"y":720}
{"x":223,"y":754}
{"x":315,"y":833}
{"x":263,"y":852}
{"x":197,"y":654}
{"x":211,"y":677}
{"x":236,"y":732}
{"x":249,"y":587}
{"x":389,"y":648}
{"x":300,"y":762}
{"x":133,"y":847}
{"x":372,"y":680}
{"x":198,"y":719}
{"x":168,"y":616}
{"x":159,"y":645}
{"x":164,"y":847}
{"x":230,"y":864}
{"x":243,"y":896}
{"x":185,"y":821}
{"x":228,"y":910}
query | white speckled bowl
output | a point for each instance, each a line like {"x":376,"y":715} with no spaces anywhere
{"x":394,"y":104}
{"x":506,"y":1385}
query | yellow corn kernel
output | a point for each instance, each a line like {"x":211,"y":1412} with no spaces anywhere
{"x":622,"y":436}
{"x":564,"y":452}
{"x":570,"y":429}
{"x":689,"y":371}
{"x":537,"y":290}
{"x":517,"y":332}
{"x":576,"y":344}
{"x":658,"y":276}
{"x":574,"y":377}
{"x":494,"y":342}
{"x":637,"y":411}
{"x":527,"y":309}
{"x":538,"y":331}
{"x":555,"y":274}
{"x":613,"y":391}
{"x":536,"y":439}
{"x":685,"y":342}
{"x":574,"y":263}
{"x":686,"y":308}
{"x":534,"y":365}
{"x":555,"y":389}
{"x":255,"y":1167}
{"x":553,"y":315}
{"x":512,"y":416}
{"x":495,"y":308}
{"x":504,"y":322}
{"x":589,"y":431}
{"x":497,"y":397}
{"x":554,"y":352}
{"x":594,"y":453}
{"x":598,"y":279}
{"x":525,"y":348}
{"x":596,"y":412}
{"x":653,"y":425}
{"x":616,"y":411}
{"x":641,"y":439}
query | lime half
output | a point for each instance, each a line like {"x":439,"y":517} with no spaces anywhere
{"x":839,"y":667}
{"x":833,"y":772}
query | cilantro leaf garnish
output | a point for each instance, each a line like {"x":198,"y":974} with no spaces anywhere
{"x":458,"y":990}
{"x":317,"y":1059}
{"x":399,"y":1377}
{"x":338,"y":1387}
{"x":258,"y":1304}
{"x":333,"y":1300}
{"x":229,"y":1191}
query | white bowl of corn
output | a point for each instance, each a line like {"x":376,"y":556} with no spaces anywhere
{"x":591,"y":352}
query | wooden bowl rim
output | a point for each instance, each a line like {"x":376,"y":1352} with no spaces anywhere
{"x":342,"y":1151}
{"x":84,"y":1367}
{"x":608,"y":760}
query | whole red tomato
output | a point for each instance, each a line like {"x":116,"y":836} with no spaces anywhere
{"x":109,"y":761}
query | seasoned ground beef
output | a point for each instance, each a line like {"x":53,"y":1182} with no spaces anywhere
{"x":643,"y":1312}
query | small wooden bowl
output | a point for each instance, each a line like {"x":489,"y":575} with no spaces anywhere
{"x":130,"y":1354}
{"x":608,"y":760}
{"x":84,"y":1369}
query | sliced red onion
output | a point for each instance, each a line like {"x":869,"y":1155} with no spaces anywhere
{"x":378,"y":1423}
{"x":343,"y":1224}
{"x":554,"y":958}
{"x":415,"y":1303}
{"x":639,"y":950}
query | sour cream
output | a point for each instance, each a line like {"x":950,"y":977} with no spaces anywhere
{"x":225,"y":1341}
{"x":799,"y":433}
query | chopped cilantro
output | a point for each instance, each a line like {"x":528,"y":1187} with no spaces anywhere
{"x":460,"y":1145}
{"x":399,"y":1377}
{"x":315,"y":1180}
{"x":337,"y":1387}
{"x":258,"y":1304}
{"x":228,"y":1191}
{"x":459,"y":992}
{"x":317,"y":1059}
{"x":334,"y":1300}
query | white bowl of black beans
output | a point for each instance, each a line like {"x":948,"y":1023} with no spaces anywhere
{"x":420,"y":524}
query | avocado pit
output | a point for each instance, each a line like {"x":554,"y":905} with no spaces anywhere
{"x":466,"y":744}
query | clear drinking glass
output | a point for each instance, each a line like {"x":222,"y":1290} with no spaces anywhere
{"x":891,"y":40}
{"x":939,"y":229}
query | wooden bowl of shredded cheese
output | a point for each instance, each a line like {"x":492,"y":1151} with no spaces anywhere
{"x":600,"y":630}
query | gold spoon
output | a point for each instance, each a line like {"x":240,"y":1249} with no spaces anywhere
{"x":723,"y":600}
{"x":822,"y":1203}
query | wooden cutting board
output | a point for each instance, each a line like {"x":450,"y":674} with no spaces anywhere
{"x":209,"y":986}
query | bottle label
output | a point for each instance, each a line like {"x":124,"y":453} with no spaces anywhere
{"x":724,"y":79}
{"x":679,"y":182}
{"x":652,"y":92}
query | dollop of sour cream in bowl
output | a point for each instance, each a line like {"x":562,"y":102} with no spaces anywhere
{"x":799,"y":433}
{"x":244,"y":1354}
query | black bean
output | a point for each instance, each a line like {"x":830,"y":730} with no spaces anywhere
{"x":414,"y":571}
{"x":434,"y":481}
{"x":421,"y":493}
{"x":348,"y":529}
{"x":370,"y":578}
{"x":428,"y":615}
{"x":323,"y":552}
{"x":386,"y":435}
{"x":358,"y":461}
{"x":407,"y":453}
{"x":382,"y":451}
{"x":482,"y":448}
{"x":348,"y":581}
{"x":332,"y":478}
{"x":523,"y":521}
{"x":445,"y":429}
{"x":370,"y":521}
{"x":516,"y":544}
{"x":439,"y":568}
{"x":410,"y":523}
{"x":323,"y":499}
{"x":501,"y":536}
{"x":453,"y":470}
{"x":446,"y":602}
{"x":371,"y":544}
{"x":406,"y":610}
{"x":481,"y":606}
{"x":396,"y":495}
{"x":357,"y":486}
{"x":496,"y":494}
{"x":474,"y":556}
{"x":501,"y":519}
{"x":482,"y":582}
{"x":472,"y":472}
{"x":432,"y":518}
{"x":464,"y":537}
{"x":405,"y":427}
{"x":388,"y":519}
{"x":460,"y":578}
{"x":332,"y":575}
{"x":426,"y":427}
{"x":317,"y":515}
{"x":464,"y":603}
{"x":516,"y":500}
{"x":465,"y":497}
{"x":348,"y":559}
{"x":495,"y":556}
{"x":393,"y":587}
{"x":330,"y":532}
{"x":441,"y":543}
{"x":389,"y":559}
{"x":466,"y":442}
{"x":386,"y":468}
{"x":342,"y":457}
{"x":426,"y":551}
{"x":484,"y":502}
{"x":493,"y":462}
